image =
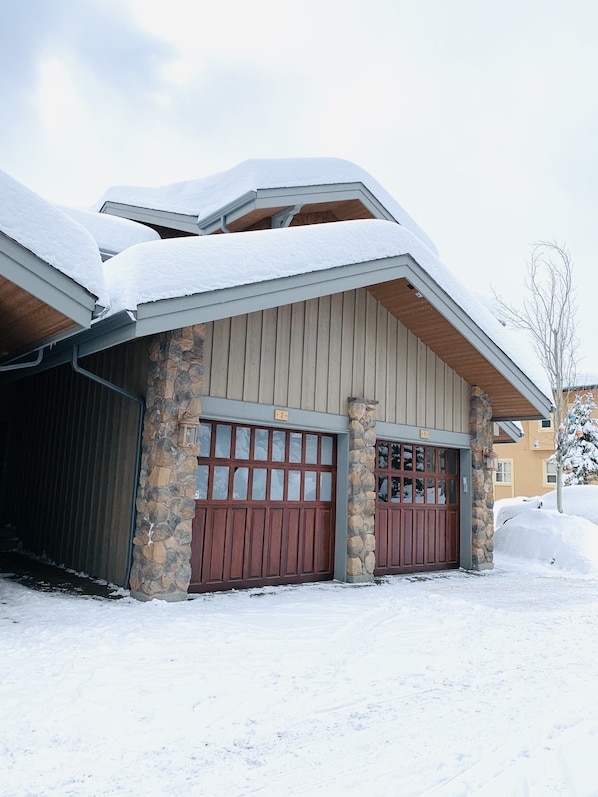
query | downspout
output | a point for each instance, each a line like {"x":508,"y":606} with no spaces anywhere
{"x":141,"y":404}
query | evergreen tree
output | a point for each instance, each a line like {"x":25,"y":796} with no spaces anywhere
{"x":578,"y":442}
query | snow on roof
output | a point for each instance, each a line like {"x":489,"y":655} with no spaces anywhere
{"x":51,"y":235}
{"x":205,"y":197}
{"x":111,"y":233}
{"x":179,"y":267}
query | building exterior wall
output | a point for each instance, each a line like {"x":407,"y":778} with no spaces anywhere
{"x":68,"y":490}
{"x":313,"y":355}
{"x":527,"y":459}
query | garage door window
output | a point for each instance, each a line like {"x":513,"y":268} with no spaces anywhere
{"x":243,"y":463}
{"x":398,"y":466}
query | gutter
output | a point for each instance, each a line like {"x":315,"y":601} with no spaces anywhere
{"x":137,"y":467}
{"x":28,"y":364}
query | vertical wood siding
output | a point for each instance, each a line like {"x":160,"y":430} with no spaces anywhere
{"x":313,"y":355}
{"x":71,"y":478}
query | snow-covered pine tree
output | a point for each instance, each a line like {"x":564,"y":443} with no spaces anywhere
{"x":579,"y":442}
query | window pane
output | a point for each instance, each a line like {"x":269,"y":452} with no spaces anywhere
{"x":325,"y":486}
{"x":431,"y":492}
{"x":278,"y":446}
{"x":242,"y":440}
{"x":408,"y":490}
{"x":258,"y":487}
{"x":383,"y":455}
{"x":395,"y":485}
{"x":408,"y":457}
{"x":260,"y":444}
{"x":205,"y":438}
{"x":382,"y":488}
{"x":442,"y":461}
{"x":240,"y":481}
{"x":223,"y":440}
{"x":326,"y":458}
{"x":295,"y":440}
{"x":201,"y":482}
{"x":452,"y":492}
{"x":309,"y":485}
{"x":395,"y":456}
{"x":220,"y":486}
{"x":430,"y":460}
{"x":419,"y":458}
{"x":294,"y":489}
{"x":311,"y":448}
{"x":277,"y":485}
{"x":419,"y":491}
{"x":451,"y":461}
{"x":441,"y":491}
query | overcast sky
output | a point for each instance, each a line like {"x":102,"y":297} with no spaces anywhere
{"x":481,"y":118}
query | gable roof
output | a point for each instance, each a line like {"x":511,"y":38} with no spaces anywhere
{"x":260,"y":189}
{"x":179,"y":282}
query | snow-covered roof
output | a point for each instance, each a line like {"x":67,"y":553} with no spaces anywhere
{"x":204,"y":197}
{"x":192,"y":265}
{"x":51,"y":235}
{"x":111,"y":233}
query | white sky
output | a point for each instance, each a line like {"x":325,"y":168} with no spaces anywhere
{"x":480,"y":118}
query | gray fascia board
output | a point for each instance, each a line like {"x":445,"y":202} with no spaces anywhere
{"x":410,"y":434}
{"x":210,"y":306}
{"x":182,"y":311}
{"x":459,"y":319}
{"x":25,"y":269}
{"x":511,"y":430}
{"x":230,"y":212}
{"x":318,"y":194}
{"x":161,"y":218}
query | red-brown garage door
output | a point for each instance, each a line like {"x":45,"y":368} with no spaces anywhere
{"x":264,"y":510}
{"x":417,"y":509}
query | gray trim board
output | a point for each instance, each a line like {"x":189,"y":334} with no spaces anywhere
{"x":465,"y":503}
{"x":239,"y":411}
{"x":511,"y":429}
{"x":25,"y":269}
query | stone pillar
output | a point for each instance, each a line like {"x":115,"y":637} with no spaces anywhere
{"x":361,"y":540}
{"x":166,"y":493}
{"x":481,"y":434}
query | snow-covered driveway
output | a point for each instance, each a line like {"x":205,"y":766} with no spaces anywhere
{"x":455,"y":684}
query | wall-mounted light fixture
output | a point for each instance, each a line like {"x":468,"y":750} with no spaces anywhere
{"x":188,"y":431}
{"x":491,"y":459}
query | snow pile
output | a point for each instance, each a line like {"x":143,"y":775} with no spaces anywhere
{"x":578,"y":499}
{"x":205,"y":197}
{"x":314,"y":690}
{"x":507,"y":508}
{"x":111,"y":233}
{"x":51,"y":235}
{"x":550,"y":538}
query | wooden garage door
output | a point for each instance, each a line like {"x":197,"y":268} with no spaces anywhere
{"x":417,"y":509}
{"x":264,"y":511}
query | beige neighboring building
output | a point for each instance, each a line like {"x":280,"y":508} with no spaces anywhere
{"x":523,"y":466}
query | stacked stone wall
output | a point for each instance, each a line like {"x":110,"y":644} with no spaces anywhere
{"x":166,"y":494}
{"x":482,"y":537}
{"x":361,"y":540}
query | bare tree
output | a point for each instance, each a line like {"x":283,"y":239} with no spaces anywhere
{"x":549,"y":315}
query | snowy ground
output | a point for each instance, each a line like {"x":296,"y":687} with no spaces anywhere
{"x":455,"y":684}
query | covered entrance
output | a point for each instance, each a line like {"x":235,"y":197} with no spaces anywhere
{"x":264,"y":507}
{"x":417,"y":508}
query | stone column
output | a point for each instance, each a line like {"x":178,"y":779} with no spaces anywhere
{"x":166,"y":493}
{"x":361,"y":540}
{"x":481,"y":434}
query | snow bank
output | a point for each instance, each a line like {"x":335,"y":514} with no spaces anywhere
{"x":578,"y":499}
{"x":54,"y":237}
{"x":204,"y":197}
{"x":550,"y":538}
{"x":111,"y":233}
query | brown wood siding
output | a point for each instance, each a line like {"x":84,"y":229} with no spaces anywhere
{"x":313,"y":355}
{"x":70,"y":475}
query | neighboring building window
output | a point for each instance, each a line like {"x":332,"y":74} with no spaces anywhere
{"x":503,"y":473}
{"x":549,"y":472}
{"x":546,"y":423}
